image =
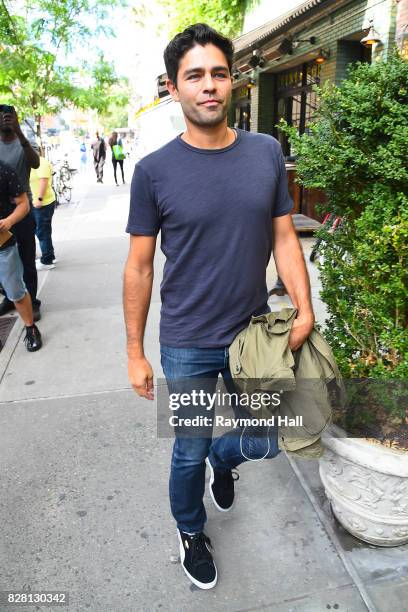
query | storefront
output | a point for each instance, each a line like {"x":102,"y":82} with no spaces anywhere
{"x":283,"y":60}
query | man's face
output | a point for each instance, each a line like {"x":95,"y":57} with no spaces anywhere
{"x":204,"y":85}
{"x":6,"y":126}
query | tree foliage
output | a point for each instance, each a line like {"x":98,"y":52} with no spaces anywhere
{"x":116,"y":113}
{"x":227,"y":16}
{"x":35,"y":73}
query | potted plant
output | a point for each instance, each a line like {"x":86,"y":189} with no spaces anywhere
{"x":356,"y":151}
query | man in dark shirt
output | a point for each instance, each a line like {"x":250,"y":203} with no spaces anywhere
{"x":219,"y":196}
{"x":17,"y":152}
{"x":99,"y":155}
{"x":14,"y":206}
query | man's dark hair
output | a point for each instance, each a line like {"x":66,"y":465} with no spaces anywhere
{"x":197,"y":34}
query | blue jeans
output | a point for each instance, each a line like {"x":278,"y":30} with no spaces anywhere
{"x":43,"y":230}
{"x":187,"y":474}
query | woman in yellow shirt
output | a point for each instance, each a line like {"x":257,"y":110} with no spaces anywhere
{"x":44,"y":206}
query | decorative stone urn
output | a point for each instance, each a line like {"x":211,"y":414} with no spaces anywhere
{"x":367,"y":485}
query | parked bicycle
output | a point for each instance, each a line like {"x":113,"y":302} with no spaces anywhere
{"x":62,"y":183}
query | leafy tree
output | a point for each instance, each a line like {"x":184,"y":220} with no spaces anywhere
{"x":34,"y":46}
{"x":227,"y":16}
{"x":116,"y":114}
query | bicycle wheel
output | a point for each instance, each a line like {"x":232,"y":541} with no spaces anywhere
{"x":315,"y":249}
{"x":56,"y":192}
{"x":66,"y":193}
{"x":65,"y":174}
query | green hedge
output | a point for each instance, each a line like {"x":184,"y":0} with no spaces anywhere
{"x":356,"y":151}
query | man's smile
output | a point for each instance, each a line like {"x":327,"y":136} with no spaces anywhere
{"x":211,"y":102}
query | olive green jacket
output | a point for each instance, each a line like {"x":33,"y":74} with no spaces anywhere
{"x":307,"y":379}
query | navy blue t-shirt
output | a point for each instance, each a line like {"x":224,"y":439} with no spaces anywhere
{"x":214,"y":208}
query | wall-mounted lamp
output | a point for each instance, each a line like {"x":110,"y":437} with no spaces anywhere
{"x":322,"y":57}
{"x":371,"y":38}
{"x":256,"y":61}
{"x":253,"y":78}
{"x":296,"y":42}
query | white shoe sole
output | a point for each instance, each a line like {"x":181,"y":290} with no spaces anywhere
{"x":45,"y":267}
{"x":210,"y":488}
{"x":200,"y":585}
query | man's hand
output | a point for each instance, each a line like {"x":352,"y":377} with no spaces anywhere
{"x":5,"y":225}
{"x":141,"y":377}
{"x":301,"y":329}
{"x":291,"y":267}
{"x":11,"y":120}
{"x":37,"y":204}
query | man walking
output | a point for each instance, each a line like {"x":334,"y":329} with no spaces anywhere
{"x":99,"y":155}
{"x":220,"y":198}
{"x":17,"y":152}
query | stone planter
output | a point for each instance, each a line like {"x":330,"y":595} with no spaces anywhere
{"x":367,"y":485}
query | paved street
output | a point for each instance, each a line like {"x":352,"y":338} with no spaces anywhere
{"x":83,"y":501}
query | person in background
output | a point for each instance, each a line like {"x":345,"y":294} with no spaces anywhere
{"x":44,"y":206}
{"x":22,"y":156}
{"x":99,"y":155}
{"x":84,"y":157}
{"x":14,"y":206}
{"x":118,"y":155}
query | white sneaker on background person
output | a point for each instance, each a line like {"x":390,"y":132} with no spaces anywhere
{"x":41,"y":266}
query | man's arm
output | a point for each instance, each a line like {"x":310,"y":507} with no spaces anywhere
{"x":137,"y":291}
{"x":22,"y":209}
{"x":42,"y":188}
{"x":291,"y":268}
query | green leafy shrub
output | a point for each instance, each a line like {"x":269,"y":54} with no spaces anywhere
{"x":356,"y":151}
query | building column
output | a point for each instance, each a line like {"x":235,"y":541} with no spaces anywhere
{"x":254,"y":119}
{"x":262,"y":103}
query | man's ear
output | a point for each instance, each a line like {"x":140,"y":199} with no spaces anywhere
{"x":172,"y":89}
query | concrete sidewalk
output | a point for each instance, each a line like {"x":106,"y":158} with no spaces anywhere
{"x":83,"y":499}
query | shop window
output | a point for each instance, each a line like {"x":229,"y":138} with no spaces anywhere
{"x":242,"y":110}
{"x":296,"y":100}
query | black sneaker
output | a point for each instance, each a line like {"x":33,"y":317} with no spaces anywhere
{"x":222,"y":487}
{"x":196,"y":559}
{"x":6,"y":306}
{"x":32,"y":339}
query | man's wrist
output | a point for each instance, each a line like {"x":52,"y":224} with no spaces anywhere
{"x":306,"y":315}
{"x":135,"y":352}
{"x":23,"y":140}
